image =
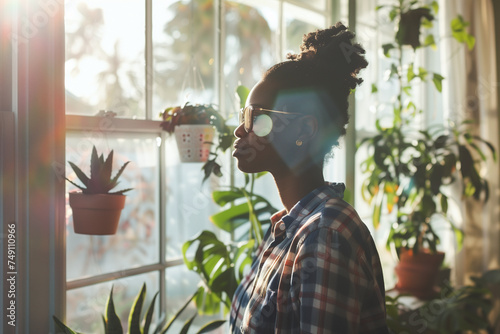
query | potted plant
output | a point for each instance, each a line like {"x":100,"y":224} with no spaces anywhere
{"x":96,"y":210}
{"x":194,"y":129}
{"x":113,"y":325}
{"x":468,"y":308}
{"x":408,"y":168}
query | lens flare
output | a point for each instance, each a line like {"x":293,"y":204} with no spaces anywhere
{"x":262,"y":125}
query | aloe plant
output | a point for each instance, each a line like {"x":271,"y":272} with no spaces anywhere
{"x":112,"y":322}
{"x":100,"y":180}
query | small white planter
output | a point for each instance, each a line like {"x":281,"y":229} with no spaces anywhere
{"x":194,"y":141}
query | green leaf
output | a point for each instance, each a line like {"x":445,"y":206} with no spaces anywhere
{"x":438,"y":79}
{"x":407,"y":90}
{"x":114,"y":180}
{"x":386,"y":48}
{"x":225,"y":219}
{"x":242,"y":93}
{"x":211,"y":167}
{"x":393,"y":71}
{"x":178,"y":313}
{"x":105,"y":173}
{"x":435,"y":6}
{"x":458,"y":26}
{"x":134,"y":317}
{"x":377,"y":209}
{"x":411,"y":106}
{"x":149,"y":315}
{"x":80,"y":174}
{"x":374,"y":88}
{"x":490,"y":146}
{"x":470,"y":41}
{"x":113,"y":324}
{"x":209,"y":303}
{"x":410,"y":74}
{"x":430,"y":41}
{"x":259,"y":175}
{"x":244,"y":250}
{"x":479,"y":151}
{"x":223,"y":197}
{"x":422,"y":73}
{"x":444,"y":204}
{"x":211,"y":326}
{"x":187,"y":324}
{"x":426,"y":23}
{"x":393,"y":13}
{"x":84,"y":190}
{"x":61,"y":327}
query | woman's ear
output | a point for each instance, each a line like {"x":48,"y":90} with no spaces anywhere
{"x":308,"y":128}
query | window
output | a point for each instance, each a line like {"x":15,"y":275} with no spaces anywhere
{"x":126,"y":61}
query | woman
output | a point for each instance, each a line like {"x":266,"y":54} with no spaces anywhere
{"x":317,"y":270}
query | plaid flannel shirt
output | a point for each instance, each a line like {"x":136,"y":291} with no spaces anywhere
{"x":316,"y":271}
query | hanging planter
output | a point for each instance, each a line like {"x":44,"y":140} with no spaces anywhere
{"x":96,"y":210}
{"x":194,"y":141}
{"x":196,"y":128}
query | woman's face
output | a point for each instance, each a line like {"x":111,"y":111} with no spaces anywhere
{"x":277,"y":150}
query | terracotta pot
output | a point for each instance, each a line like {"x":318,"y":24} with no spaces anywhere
{"x":417,"y":273}
{"x":96,"y":214}
{"x":194,"y":141}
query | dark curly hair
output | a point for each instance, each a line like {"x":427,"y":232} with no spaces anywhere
{"x":328,"y":64}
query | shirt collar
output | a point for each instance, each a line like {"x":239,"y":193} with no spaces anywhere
{"x":306,"y":205}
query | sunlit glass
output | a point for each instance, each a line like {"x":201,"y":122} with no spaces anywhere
{"x":256,"y":119}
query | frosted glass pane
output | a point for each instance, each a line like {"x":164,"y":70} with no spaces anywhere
{"x":105,"y":57}
{"x":86,"y":306}
{"x":136,"y":242}
{"x":299,"y":22}
{"x":183,"y":53}
{"x":181,"y":284}
{"x":189,"y":204}
{"x":251,"y":42}
{"x":317,"y":4}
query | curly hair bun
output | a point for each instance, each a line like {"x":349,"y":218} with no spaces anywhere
{"x":334,"y":51}
{"x":328,"y":63}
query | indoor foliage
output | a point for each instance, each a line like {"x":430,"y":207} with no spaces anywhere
{"x":408,"y":168}
{"x":112,"y":323}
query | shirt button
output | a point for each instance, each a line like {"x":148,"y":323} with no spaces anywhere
{"x":282,"y":226}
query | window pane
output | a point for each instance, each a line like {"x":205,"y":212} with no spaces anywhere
{"x":317,"y":4}
{"x":181,"y":284}
{"x":299,"y":22}
{"x":184,"y":53}
{"x":105,"y":57}
{"x":86,"y":306}
{"x":250,"y":44}
{"x":189,"y":204}
{"x":136,"y":242}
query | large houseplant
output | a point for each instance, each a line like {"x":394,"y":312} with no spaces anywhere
{"x":96,"y":209}
{"x":408,"y":168}
{"x":194,"y":129}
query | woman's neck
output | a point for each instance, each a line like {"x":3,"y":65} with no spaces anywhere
{"x":292,"y":187}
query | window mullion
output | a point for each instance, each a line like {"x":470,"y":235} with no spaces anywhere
{"x":149,"y":59}
{"x":163,"y":223}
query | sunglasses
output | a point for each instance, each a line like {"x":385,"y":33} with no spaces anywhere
{"x":256,"y":119}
